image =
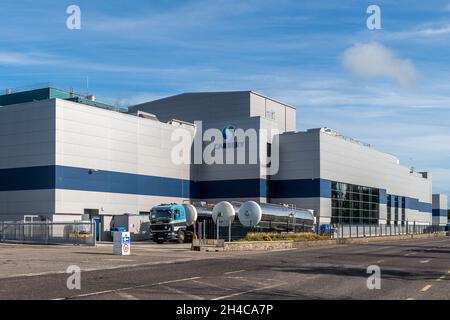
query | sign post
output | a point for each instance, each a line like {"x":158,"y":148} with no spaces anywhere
{"x":122,"y":243}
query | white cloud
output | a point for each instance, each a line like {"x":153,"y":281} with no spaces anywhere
{"x":20,"y":59}
{"x":373,"y":60}
{"x":423,"y":32}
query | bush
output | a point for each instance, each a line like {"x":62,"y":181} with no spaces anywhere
{"x":272,"y":236}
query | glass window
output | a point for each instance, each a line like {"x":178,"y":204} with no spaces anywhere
{"x":354,"y":204}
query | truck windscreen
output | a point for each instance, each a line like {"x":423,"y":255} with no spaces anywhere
{"x":165,"y":214}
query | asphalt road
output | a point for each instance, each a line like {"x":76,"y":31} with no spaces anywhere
{"x":417,"y":269}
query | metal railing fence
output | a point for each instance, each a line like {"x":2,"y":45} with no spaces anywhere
{"x":379,"y":230}
{"x":76,"y":233}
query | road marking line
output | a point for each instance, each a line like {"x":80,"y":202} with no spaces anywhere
{"x":211,"y":285}
{"x":122,"y":260}
{"x":426,"y":288}
{"x":410,"y":254}
{"x":441,"y":278}
{"x":127,"y":288}
{"x":425,"y":261}
{"x":248,"y":280}
{"x":410,"y":299}
{"x":231,"y":272}
{"x":126,"y":296}
{"x":184,"y":293}
{"x":145,"y":264}
{"x":249,"y":291}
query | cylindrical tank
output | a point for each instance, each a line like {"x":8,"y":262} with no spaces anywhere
{"x":191,"y":214}
{"x":280,"y":218}
{"x":273,"y":217}
{"x":250,"y":214}
{"x":223,"y":213}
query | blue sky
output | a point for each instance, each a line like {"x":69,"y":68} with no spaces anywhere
{"x":389,"y":87}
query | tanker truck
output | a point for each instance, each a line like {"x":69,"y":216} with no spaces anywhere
{"x":168,"y":223}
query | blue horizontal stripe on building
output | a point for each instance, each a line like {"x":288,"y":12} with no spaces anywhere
{"x":300,"y":188}
{"x":411,"y":204}
{"x":83,"y":179}
{"x":30,"y":178}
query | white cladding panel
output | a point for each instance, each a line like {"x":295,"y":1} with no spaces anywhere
{"x":283,"y":115}
{"x":312,"y":155}
{"x":95,"y":138}
{"x":69,"y":202}
{"x":353,"y":163}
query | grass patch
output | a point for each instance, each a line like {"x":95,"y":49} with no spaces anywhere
{"x":271,"y":236}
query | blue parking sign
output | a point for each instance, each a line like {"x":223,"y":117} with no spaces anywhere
{"x":126,"y":240}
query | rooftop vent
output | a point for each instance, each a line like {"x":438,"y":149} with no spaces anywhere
{"x":146,"y":115}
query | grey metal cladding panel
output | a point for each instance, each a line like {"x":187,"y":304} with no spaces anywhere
{"x":440,"y":201}
{"x":200,"y":106}
{"x":299,"y":156}
{"x":238,"y":123}
{"x":27,"y":202}
{"x":27,"y":134}
{"x":226,"y":172}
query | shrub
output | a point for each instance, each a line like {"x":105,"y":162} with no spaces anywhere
{"x":272,"y":236}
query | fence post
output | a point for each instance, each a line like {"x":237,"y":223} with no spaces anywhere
{"x":218,"y":230}
{"x":94,"y":231}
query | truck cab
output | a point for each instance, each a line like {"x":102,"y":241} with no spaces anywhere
{"x":168,"y":223}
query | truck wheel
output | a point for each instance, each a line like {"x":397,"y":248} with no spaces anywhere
{"x":181,"y":237}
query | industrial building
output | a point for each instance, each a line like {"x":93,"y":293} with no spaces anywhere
{"x":65,"y":157}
